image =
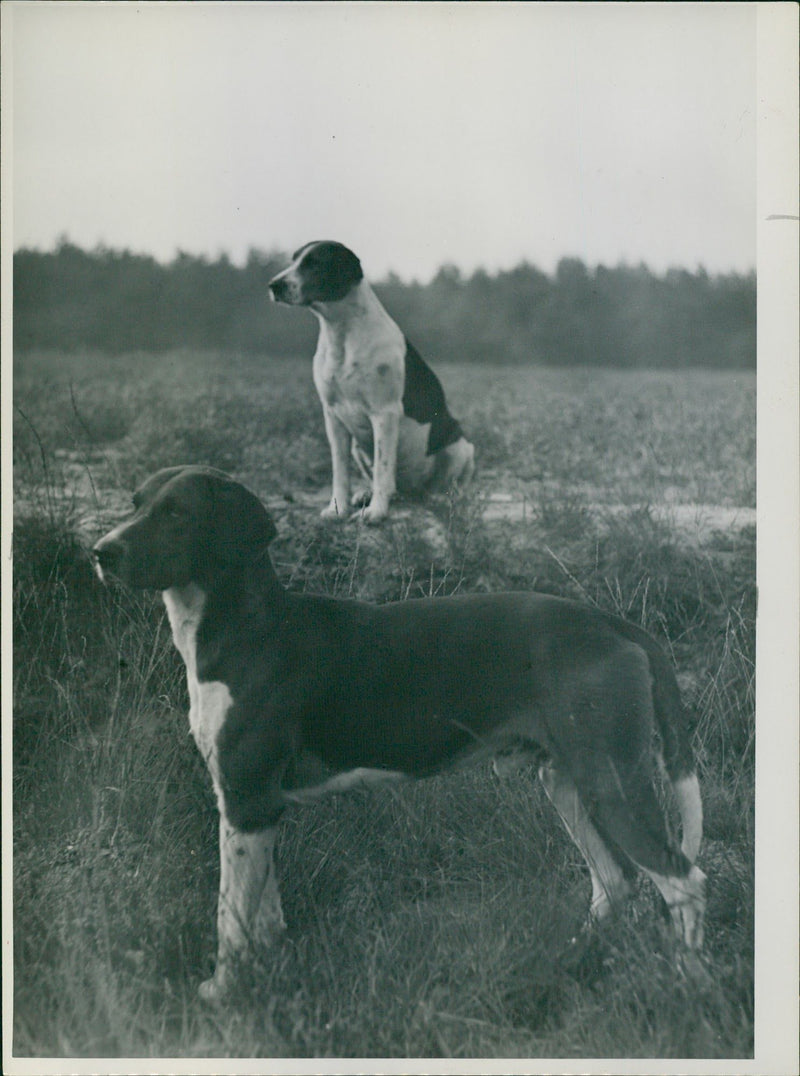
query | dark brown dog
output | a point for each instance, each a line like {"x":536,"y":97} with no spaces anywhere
{"x":379,"y":693}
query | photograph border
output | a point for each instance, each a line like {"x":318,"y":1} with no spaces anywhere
{"x":778,"y":624}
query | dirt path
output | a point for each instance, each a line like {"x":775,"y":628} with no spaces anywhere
{"x":89,"y":489}
{"x":695,"y":523}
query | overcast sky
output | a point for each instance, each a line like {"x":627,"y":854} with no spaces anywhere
{"x":418,"y":134}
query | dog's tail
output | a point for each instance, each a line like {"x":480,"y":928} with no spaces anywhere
{"x":676,"y":750}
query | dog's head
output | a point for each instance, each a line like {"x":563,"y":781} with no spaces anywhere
{"x":188,"y":525}
{"x":320,"y":272}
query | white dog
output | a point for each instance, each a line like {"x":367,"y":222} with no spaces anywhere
{"x":380,"y":399}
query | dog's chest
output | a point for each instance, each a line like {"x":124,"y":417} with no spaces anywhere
{"x":359,"y":368}
{"x":209,"y":701}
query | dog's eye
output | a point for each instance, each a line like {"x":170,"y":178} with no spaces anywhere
{"x":173,"y":511}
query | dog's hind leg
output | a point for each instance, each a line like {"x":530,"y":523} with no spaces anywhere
{"x":609,"y":743}
{"x":455,"y":466}
{"x":621,"y":800}
{"x":676,"y":756}
{"x":690,"y":805}
{"x":609,"y":887}
{"x":686,"y":900}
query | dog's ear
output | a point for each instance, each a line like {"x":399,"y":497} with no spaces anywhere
{"x":242,"y":529}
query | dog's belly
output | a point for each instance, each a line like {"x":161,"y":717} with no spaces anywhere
{"x":508,"y":747}
{"x":324,"y":785}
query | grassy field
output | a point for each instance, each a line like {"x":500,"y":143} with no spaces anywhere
{"x":426,"y":921}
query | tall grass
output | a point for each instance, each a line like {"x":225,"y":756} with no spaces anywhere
{"x":430,"y":920}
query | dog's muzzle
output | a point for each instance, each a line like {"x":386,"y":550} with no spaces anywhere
{"x":278,"y":290}
{"x":108,"y":555}
{"x":286,"y":288}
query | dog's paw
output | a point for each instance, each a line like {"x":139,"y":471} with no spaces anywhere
{"x":334,"y":511}
{"x":373,"y":513}
{"x":213,"y":990}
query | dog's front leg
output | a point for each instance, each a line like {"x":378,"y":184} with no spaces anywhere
{"x":246,"y":879}
{"x":339,"y":439}
{"x":385,"y":431}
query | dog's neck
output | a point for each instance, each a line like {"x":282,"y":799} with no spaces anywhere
{"x":360,"y":303}
{"x":209,"y":621}
{"x":185,"y":607}
{"x":352,"y":326}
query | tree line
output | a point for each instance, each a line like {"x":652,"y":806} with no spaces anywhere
{"x":117,"y":301}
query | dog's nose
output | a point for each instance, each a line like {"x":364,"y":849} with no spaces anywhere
{"x":277,"y":288}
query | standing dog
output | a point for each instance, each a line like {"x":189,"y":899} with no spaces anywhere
{"x":378,"y":693}
{"x":380,"y":400}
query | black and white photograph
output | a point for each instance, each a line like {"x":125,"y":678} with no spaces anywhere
{"x":400,"y":552}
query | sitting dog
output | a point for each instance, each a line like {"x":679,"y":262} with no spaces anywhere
{"x":375,"y":694}
{"x":380,"y":400}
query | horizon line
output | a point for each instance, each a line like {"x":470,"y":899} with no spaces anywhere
{"x":222,"y":255}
